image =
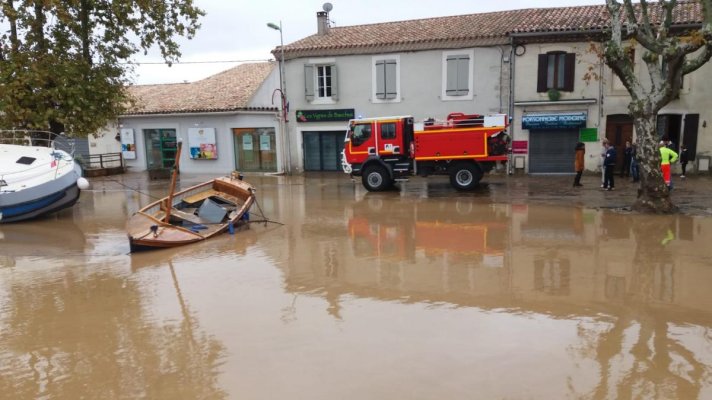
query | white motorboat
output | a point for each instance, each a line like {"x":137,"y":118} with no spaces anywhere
{"x":35,"y":180}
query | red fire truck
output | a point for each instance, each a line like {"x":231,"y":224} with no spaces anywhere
{"x":385,"y":150}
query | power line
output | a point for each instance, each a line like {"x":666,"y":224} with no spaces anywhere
{"x":192,"y":62}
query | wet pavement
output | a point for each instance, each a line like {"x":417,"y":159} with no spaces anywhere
{"x":524,"y":288}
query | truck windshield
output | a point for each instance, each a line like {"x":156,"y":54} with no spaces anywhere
{"x":360,"y":133}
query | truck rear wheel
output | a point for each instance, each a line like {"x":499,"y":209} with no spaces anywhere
{"x":465,"y":176}
{"x":376,"y":179}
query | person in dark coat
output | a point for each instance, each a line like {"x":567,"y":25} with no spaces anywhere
{"x":609,"y":164}
{"x":578,"y":165}
{"x":684,"y":159}
{"x":627,"y":159}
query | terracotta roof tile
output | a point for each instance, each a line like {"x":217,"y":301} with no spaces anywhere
{"x":485,"y":29}
{"x":227,"y":91}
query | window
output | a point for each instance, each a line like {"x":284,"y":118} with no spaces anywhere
{"x":386,"y":82}
{"x":255,"y":149}
{"x":320,"y":81}
{"x":458,"y":74}
{"x":388,"y":130}
{"x":556,"y":71}
{"x":361,"y":133}
{"x":323,"y":80}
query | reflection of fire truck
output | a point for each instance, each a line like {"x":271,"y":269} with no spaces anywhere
{"x":399,"y":232}
{"x":389,"y":149}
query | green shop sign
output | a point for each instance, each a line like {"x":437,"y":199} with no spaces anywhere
{"x":554,"y":120}
{"x":325,"y":115}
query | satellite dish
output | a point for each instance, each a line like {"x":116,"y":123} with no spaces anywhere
{"x":327,"y":7}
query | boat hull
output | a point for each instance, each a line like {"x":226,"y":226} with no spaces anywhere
{"x":45,"y":184}
{"x":39,"y":207}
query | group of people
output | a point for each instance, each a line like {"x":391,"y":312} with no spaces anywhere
{"x":630,"y":162}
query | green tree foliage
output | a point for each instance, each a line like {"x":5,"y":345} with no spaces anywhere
{"x":64,"y":64}
{"x":670,"y":51}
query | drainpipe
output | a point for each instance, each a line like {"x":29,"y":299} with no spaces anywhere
{"x":510,"y":110}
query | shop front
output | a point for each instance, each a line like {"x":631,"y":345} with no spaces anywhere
{"x":323,"y":137}
{"x":552,"y":138}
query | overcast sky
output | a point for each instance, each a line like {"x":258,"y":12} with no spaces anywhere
{"x":237,"y":30}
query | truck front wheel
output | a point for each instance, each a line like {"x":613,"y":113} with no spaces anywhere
{"x":465,"y":176}
{"x":376,"y":179}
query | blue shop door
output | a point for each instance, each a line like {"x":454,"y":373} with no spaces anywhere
{"x":322,"y":150}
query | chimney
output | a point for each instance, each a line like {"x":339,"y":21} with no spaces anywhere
{"x":322,"y":22}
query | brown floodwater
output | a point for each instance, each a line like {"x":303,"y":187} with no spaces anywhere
{"x":423,"y":293}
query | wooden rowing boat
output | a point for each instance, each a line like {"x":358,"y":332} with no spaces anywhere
{"x":197,"y":213}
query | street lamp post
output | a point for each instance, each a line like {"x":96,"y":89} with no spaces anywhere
{"x":283,"y":93}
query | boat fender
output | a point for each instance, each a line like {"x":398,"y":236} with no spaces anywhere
{"x":246,"y":216}
{"x":231,"y":227}
{"x":83,"y":184}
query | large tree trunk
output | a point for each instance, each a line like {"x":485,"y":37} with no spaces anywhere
{"x":653,"y":194}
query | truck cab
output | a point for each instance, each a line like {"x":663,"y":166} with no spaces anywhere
{"x":378,"y":150}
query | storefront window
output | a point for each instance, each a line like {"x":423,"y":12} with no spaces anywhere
{"x":160,"y":148}
{"x":255,"y":149}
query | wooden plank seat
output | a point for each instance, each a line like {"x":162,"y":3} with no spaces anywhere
{"x":187,"y":217}
{"x":200,"y":196}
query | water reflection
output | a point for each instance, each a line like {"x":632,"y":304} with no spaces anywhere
{"x":636,"y":286}
{"x":361,"y":295}
{"x":76,"y":329}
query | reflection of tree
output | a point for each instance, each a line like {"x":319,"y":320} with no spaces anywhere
{"x":642,"y":329}
{"x":61,"y":342}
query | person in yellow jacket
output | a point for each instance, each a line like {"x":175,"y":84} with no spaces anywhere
{"x":667,"y":156}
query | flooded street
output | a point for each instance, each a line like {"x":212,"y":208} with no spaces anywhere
{"x":422,"y":293}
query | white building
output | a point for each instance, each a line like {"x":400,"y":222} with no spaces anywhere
{"x":226,"y":122}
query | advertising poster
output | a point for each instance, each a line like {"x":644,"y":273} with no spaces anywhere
{"x":202,"y":144}
{"x":247,"y":142}
{"x":128,"y":145}
{"x":264,"y":142}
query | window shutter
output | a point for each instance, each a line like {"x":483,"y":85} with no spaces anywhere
{"x":451,"y":88}
{"x":463,"y":75}
{"x":380,"y":79}
{"x":391,"y":88}
{"x":541,"y":73}
{"x":457,"y":75}
{"x":309,"y":81}
{"x":569,"y":72}
{"x":689,"y":133}
{"x":334,"y":83}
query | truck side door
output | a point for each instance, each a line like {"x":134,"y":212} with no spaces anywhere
{"x":390,"y":138}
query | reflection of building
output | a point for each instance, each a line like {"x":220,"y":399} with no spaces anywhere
{"x":437,"y":250}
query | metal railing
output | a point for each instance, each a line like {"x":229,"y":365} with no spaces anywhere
{"x":26,"y":137}
{"x":101,"y":161}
